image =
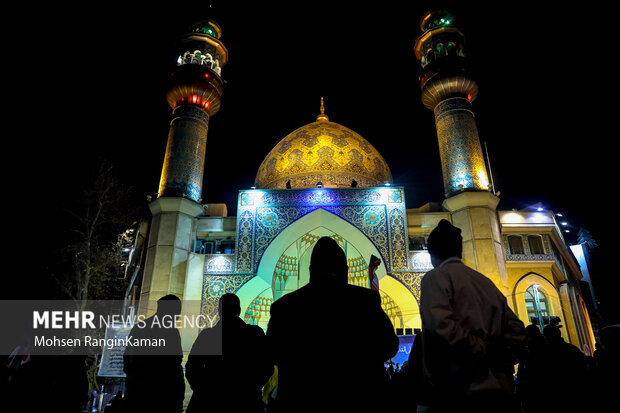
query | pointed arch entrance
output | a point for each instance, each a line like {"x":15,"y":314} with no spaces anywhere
{"x":536,"y":297}
{"x":284,"y":268}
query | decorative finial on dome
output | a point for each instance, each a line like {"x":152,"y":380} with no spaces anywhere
{"x":322,"y":116}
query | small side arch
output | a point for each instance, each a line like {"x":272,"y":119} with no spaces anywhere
{"x":544,"y":286}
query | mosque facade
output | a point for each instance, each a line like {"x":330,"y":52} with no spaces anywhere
{"x":324,"y":179}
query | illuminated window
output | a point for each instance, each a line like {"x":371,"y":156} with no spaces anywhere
{"x":226,"y":247}
{"x":536,"y":245}
{"x":537,"y":306}
{"x":205,"y":57}
{"x":417,"y":243}
{"x":203,"y":246}
{"x":515,"y":244}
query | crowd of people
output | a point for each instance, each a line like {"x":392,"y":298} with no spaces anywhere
{"x":552,"y":375}
{"x":463,"y":359}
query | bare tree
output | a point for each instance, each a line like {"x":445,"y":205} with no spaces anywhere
{"x":90,"y":262}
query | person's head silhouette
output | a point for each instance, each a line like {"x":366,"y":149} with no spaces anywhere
{"x":552,"y":333}
{"x":229,"y":306}
{"x":328,"y":262}
{"x":533,"y":331}
{"x":169,"y":305}
{"x":445,"y":241}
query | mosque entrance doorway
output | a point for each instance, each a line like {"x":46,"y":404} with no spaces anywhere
{"x":284,"y":267}
{"x":291,"y":272}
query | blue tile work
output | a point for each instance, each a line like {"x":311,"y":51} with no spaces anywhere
{"x":379,"y":213}
{"x":462,"y":160}
{"x":183,"y":168}
{"x":214,"y":286}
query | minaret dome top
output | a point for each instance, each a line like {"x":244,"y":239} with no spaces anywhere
{"x":208,"y":27}
{"x":439,"y":18}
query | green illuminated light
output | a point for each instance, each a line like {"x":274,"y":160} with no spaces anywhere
{"x":206,"y":30}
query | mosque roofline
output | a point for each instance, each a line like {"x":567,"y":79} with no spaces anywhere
{"x":322,"y":188}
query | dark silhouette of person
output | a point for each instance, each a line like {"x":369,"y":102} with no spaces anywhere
{"x":471,"y":339}
{"x":65,"y":389}
{"x":418,"y":388}
{"x":324,"y":322}
{"x":606,"y":374}
{"x":228,"y":364}
{"x":532,"y":375}
{"x":566,"y":373}
{"x":155,"y":373}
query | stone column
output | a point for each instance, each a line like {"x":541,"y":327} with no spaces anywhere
{"x":475,"y":213}
{"x":168,"y":250}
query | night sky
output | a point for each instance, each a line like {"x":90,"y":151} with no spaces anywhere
{"x":89,"y":83}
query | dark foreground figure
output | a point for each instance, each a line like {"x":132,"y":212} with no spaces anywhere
{"x":228,"y":364}
{"x":471,"y":339}
{"x":155,"y":374}
{"x":329,"y":340}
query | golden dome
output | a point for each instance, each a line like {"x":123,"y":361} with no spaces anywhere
{"x":324,"y":152}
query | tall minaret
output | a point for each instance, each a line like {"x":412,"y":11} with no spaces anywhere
{"x":448,"y":90}
{"x":194,"y":95}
